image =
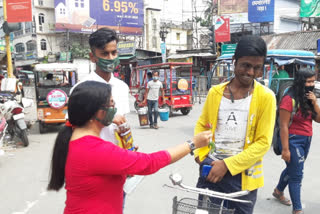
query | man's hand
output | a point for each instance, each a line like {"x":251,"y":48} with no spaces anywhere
{"x":285,"y":155}
{"x":119,"y":119}
{"x":219,"y":169}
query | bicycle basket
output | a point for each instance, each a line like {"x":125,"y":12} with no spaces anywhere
{"x":189,"y":206}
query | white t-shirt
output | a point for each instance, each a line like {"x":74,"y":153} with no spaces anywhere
{"x":231,"y":128}
{"x":154,"y":88}
{"x":120,"y":94}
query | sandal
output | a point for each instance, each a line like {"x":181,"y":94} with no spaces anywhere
{"x":281,"y":198}
{"x":297,"y":212}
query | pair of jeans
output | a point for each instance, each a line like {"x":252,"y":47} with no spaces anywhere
{"x":228,"y":184}
{"x":153,"y":104}
{"x":292,"y":175}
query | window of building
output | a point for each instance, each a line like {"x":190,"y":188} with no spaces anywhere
{"x":20,"y":48}
{"x":41,"y":18}
{"x":43,"y":44}
{"x":40,"y":2}
{"x":178,"y":36}
{"x":31,"y":45}
{"x":79,"y":3}
{"x":154,"y":42}
{"x":154,"y":24}
{"x":62,"y":11}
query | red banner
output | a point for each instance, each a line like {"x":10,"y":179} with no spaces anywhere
{"x":19,"y":11}
{"x":222,"y":29}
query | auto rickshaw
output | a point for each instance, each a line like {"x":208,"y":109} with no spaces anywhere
{"x":291,"y":59}
{"x":176,"y":78}
{"x":52,"y":85}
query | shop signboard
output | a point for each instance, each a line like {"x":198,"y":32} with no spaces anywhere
{"x":126,"y":48}
{"x":260,"y":11}
{"x":310,"y":8}
{"x":222,"y":29}
{"x":124,"y":16}
{"x":228,"y":48}
{"x":19,"y":11}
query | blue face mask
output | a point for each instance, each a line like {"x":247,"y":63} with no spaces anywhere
{"x":155,"y":78}
{"x":108,"y":65}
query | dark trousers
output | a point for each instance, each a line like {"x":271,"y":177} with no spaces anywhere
{"x":292,"y":175}
{"x":228,"y":184}
{"x":153,"y":104}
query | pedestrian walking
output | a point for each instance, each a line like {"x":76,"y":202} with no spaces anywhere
{"x":95,"y":170}
{"x":151,"y":97}
{"x":241,"y":115}
{"x":296,"y":135}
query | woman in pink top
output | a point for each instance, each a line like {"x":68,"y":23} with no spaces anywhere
{"x":95,"y":170}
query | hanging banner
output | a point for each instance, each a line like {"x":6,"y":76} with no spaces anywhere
{"x":222,"y":29}
{"x":310,"y":8}
{"x":261,"y":11}
{"x":19,"y":11}
{"x":124,"y":16}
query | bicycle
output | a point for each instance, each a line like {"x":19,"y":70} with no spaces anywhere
{"x":194,"y":206}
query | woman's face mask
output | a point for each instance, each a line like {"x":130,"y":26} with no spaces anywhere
{"x":108,"y":118}
{"x":108,"y":65}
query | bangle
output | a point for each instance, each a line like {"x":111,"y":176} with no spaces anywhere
{"x":191,"y":146}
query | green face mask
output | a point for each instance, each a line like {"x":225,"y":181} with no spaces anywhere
{"x":108,"y":65}
{"x":107,"y":120}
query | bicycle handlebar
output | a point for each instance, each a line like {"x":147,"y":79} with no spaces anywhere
{"x":177,"y":181}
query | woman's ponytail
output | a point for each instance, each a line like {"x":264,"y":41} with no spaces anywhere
{"x":59,"y":159}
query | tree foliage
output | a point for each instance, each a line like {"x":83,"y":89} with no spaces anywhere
{"x":78,"y":51}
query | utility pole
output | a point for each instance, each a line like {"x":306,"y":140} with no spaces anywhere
{"x":7,"y":38}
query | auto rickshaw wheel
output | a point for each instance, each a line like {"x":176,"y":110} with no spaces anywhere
{"x":185,"y":111}
{"x":42,"y":127}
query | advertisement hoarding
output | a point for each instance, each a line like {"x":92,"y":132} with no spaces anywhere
{"x":261,"y":11}
{"x":222,"y":29}
{"x":310,"y":8}
{"x":126,"y":17}
{"x":19,"y":11}
{"x":236,"y":10}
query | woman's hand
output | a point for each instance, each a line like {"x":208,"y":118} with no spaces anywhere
{"x":202,"y":139}
{"x":285,"y":155}
{"x":312,"y":97}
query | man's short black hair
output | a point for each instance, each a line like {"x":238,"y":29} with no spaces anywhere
{"x":153,"y":72}
{"x":101,"y":37}
{"x":49,"y":76}
{"x":250,"y":46}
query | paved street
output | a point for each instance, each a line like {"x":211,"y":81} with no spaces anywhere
{"x":24,"y":173}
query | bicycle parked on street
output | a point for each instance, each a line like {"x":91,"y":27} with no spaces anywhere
{"x":194,"y":206}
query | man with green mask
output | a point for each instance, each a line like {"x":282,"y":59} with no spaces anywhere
{"x":104,"y":53}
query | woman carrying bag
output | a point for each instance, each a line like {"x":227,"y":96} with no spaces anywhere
{"x":296,"y":138}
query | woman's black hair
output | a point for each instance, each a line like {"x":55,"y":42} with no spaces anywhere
{"x":250,"y":46}
{"x":84,"y":102}
{"x":299,"y":92}
{"x":101,"y":37}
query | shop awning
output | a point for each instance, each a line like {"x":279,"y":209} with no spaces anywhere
{"x":126,"y":57}
{"x":26,"y":72}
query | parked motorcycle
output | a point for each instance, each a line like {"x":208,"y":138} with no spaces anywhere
{"x":13,"y":113}
{"x":3,"y":129}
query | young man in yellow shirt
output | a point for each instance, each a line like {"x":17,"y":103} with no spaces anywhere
{"x":241,"y":114}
